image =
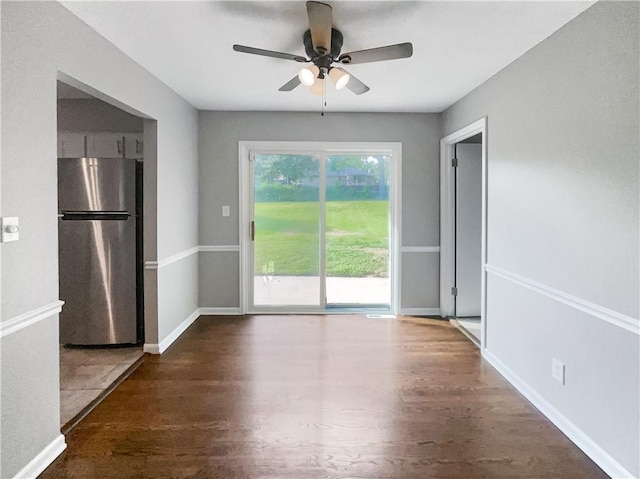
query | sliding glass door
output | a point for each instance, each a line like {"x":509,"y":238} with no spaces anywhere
{"x":357,"y":231}
{"x":319,"y":231}
{"x":285,"y":230}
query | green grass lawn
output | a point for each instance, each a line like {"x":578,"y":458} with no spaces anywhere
{"x":287,"y":238}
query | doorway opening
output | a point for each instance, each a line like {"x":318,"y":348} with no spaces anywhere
{"x":468,"y":231}
{"x":463,"y":230}
{"x":322,"y":231}
{"x":100,"y":238}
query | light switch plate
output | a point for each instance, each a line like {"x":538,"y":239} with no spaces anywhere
{"x":10,"y":229}
{"x":557,"y":370}
{"x":225,"y":210}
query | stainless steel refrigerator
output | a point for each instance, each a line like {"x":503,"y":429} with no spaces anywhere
{"x":97,"y":250}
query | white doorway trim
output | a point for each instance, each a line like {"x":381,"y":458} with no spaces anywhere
{"x":447,"y":222}
{"x":395,"y":211}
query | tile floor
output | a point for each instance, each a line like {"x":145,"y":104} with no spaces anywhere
{"x":87,"y":372}
{"x":471,"y":325}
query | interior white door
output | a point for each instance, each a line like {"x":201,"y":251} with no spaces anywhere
{"x":468,"y":229}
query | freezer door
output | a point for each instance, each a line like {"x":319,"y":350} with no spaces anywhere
{"x":98,"y":281}
{"x":96,"y":184}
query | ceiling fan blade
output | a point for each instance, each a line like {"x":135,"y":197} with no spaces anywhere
{"x":355,"y":85}
{"x":320,"y":24}
{"x":269,"y":53}
{"x":390,"y":52}
{"x":291,"y":84}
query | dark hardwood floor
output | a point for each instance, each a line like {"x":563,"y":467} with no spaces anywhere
{"x":318,"y":397}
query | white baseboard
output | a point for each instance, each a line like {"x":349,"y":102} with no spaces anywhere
{"x":152,"y":348}
{"x":574,"y":433}
{"x":419,"y":311}
{"x":42,"y":460}
{"x":220,"y":311}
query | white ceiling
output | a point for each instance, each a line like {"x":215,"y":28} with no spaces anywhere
{"x":457,"y":46}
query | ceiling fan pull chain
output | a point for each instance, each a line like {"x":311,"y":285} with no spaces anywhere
{"x":324,"y":96}
{"x":324,"y":93}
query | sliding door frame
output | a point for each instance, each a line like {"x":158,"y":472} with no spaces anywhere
{"x":245,"y":151}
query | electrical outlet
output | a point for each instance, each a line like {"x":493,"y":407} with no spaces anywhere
{"x":557,"y":370}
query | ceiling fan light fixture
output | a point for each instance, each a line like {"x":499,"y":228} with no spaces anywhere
{"x":318,"y":87}
{"x":308,"y":75}
{"x":323,"y":45}
{"x":340,"y":78}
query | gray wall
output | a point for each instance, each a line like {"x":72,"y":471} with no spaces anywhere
{"x":30,"y":394}
{"x":219,"y":134}
{"x":563,"y":207}
{"x":95,"y":115}
{"x":563,"y":211}
{"x":41,"y":43}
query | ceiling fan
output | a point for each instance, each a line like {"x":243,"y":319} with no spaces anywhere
{"x":322,"y":45}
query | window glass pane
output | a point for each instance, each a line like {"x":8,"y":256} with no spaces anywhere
{"x":287,"y":222}
{"x":357,"y":230}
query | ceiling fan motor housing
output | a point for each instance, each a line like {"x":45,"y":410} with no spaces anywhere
{"x":323,"y":60}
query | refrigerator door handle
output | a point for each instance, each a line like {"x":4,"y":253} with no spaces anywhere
{"x":102,"y":215}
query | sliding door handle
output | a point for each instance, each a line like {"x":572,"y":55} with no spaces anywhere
{"x":252,"y":230}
